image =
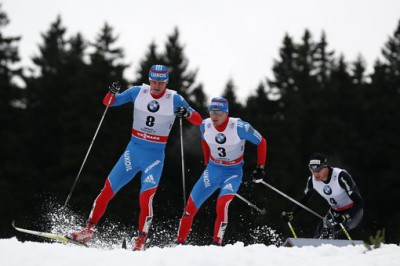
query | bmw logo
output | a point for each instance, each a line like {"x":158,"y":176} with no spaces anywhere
{"x":220,"y":138}
{"x":153,"y":106}
{"x":327,"y":190}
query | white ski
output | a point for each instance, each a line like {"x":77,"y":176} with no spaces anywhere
{"x":52,"y":236}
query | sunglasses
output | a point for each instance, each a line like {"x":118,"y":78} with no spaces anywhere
{"x":215,"y":112}
{"x":316,"y":168}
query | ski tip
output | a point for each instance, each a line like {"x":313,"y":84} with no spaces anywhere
{"x":263,"y":211}
{"x":13,"y":223}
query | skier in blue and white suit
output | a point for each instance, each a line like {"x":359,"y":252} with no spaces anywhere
{"x":223,"y":140}
{"x":155,"y":109}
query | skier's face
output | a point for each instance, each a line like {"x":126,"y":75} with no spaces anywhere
{"x":321,"y":175}
{"x":218,"y":117}
{"x":157,"y":87}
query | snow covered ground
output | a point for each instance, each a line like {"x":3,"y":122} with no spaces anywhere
{"x":13,"y":252}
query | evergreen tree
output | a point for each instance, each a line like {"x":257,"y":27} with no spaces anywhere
{"x":264,"y":114}
{"x":381,"y":135}
{"x":10,"y":97}
{"x":150,"y":58}
{"x":12,"y":122}
{"x":56,"y":103}
{"x":46,"y":101}
{"x":296,"y":79}
{"x":284,"y":69}
{"x":180,"y":78}
{"x":106,"y":66}
{"x":235,"y":107}
{"x":358,"y":71}
{"x":106,"y":61}
{"x":302,"y":77}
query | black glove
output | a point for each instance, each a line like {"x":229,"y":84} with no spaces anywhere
{"x":114,"y":88}
{"x":182,"y":112}
{"x":341,"y":218}
{"x":287,"y":216}
{"x":258,"y":174}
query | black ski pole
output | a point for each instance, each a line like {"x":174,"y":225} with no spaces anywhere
{"x":261,"y":211}
{"x":183,"y":164}
{"x":87,"y":154}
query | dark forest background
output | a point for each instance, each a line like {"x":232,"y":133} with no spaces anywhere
{"x":315,"y":101}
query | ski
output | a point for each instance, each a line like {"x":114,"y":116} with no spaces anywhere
{"x":52,"y":236}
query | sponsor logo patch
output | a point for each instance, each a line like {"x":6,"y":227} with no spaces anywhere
{"x":220,"y":138}
{"x":206,"y":179}
{"x":228,"y":187}
{"x":327,"y":190}
{"x":153,"y":106}
{"x":151,"y":166}
{"x":127,"y":161}
{"x":315,"y":162}
{"x":149,"y":179}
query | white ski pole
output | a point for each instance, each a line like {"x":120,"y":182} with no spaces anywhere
{"x":261,"y":211}
{"x":293,"y":200}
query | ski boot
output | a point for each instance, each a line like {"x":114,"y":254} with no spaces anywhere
{"x":84,"y":235}
{"x":140,"y":242}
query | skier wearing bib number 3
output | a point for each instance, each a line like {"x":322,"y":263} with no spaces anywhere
{"x":338,"y":188}
{"x":223,"y":140}
{"x":155,"y":109}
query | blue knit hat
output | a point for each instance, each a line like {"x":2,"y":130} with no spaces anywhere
{"x":159,"y":73}
{"x":219,"y":104}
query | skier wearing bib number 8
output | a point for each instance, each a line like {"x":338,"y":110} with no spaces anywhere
{"x":155,"y":109}
{"x":223,"y":140}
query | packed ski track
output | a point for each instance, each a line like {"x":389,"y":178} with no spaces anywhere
{"x":14,"y":252}
{"x":106,"y":249}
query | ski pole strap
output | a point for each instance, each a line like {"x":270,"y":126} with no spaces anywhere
{"x":293,"y":200}
{"x":292,"y":230}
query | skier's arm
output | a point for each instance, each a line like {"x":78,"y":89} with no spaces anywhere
{"x":206,"y":151}
{"x":127,"y":96}
{"x":206,"y":148}
{"x":247,"y":132}
{"x":262,"y":152}
{"x":347,"y":183}
{"x":194,"y":117}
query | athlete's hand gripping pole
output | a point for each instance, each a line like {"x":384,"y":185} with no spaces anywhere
{"x":288,"y":216}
